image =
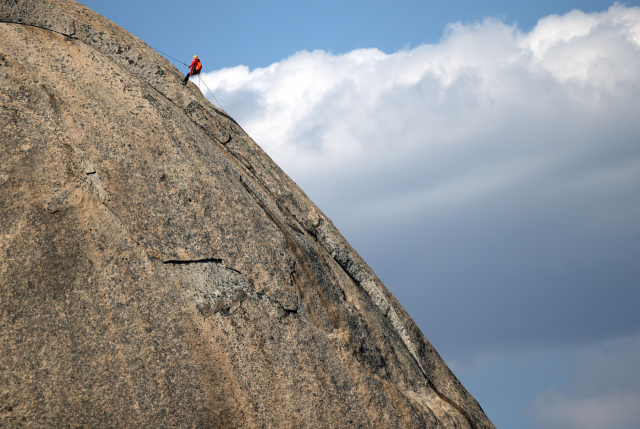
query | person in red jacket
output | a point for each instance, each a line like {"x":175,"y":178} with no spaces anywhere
{"x":194,"y":69}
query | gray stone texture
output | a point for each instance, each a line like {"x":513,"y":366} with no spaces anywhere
{"x":158,"y":269}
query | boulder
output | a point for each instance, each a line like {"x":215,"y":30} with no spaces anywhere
{"x":158,"y":269}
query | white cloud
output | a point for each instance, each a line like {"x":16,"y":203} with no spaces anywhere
{"x":487,"y":112}
{"x":603,"y":393}
{"x":588,"y":48}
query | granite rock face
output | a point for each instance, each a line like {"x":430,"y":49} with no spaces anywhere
{"x":158,"y":269}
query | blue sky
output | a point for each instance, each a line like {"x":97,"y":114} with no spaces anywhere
{"x":258,"y":33}
{"x":483,"y":157}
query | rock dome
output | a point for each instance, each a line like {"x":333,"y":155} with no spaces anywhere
{"x":158,"y":269}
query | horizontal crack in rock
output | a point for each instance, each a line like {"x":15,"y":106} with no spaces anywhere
{"x":197,"y":261}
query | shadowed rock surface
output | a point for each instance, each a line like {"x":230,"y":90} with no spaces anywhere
{"x":158,"y":269}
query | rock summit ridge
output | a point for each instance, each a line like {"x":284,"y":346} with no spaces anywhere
{"x":158,"y":268}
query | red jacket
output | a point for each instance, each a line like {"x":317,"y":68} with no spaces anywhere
{"x":193,"y":65}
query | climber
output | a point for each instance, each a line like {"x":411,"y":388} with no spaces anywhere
{"x":195,"y":68}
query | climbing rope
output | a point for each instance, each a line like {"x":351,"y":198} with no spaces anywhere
{"x":205,"y":85}
{"x":167,"y":55}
